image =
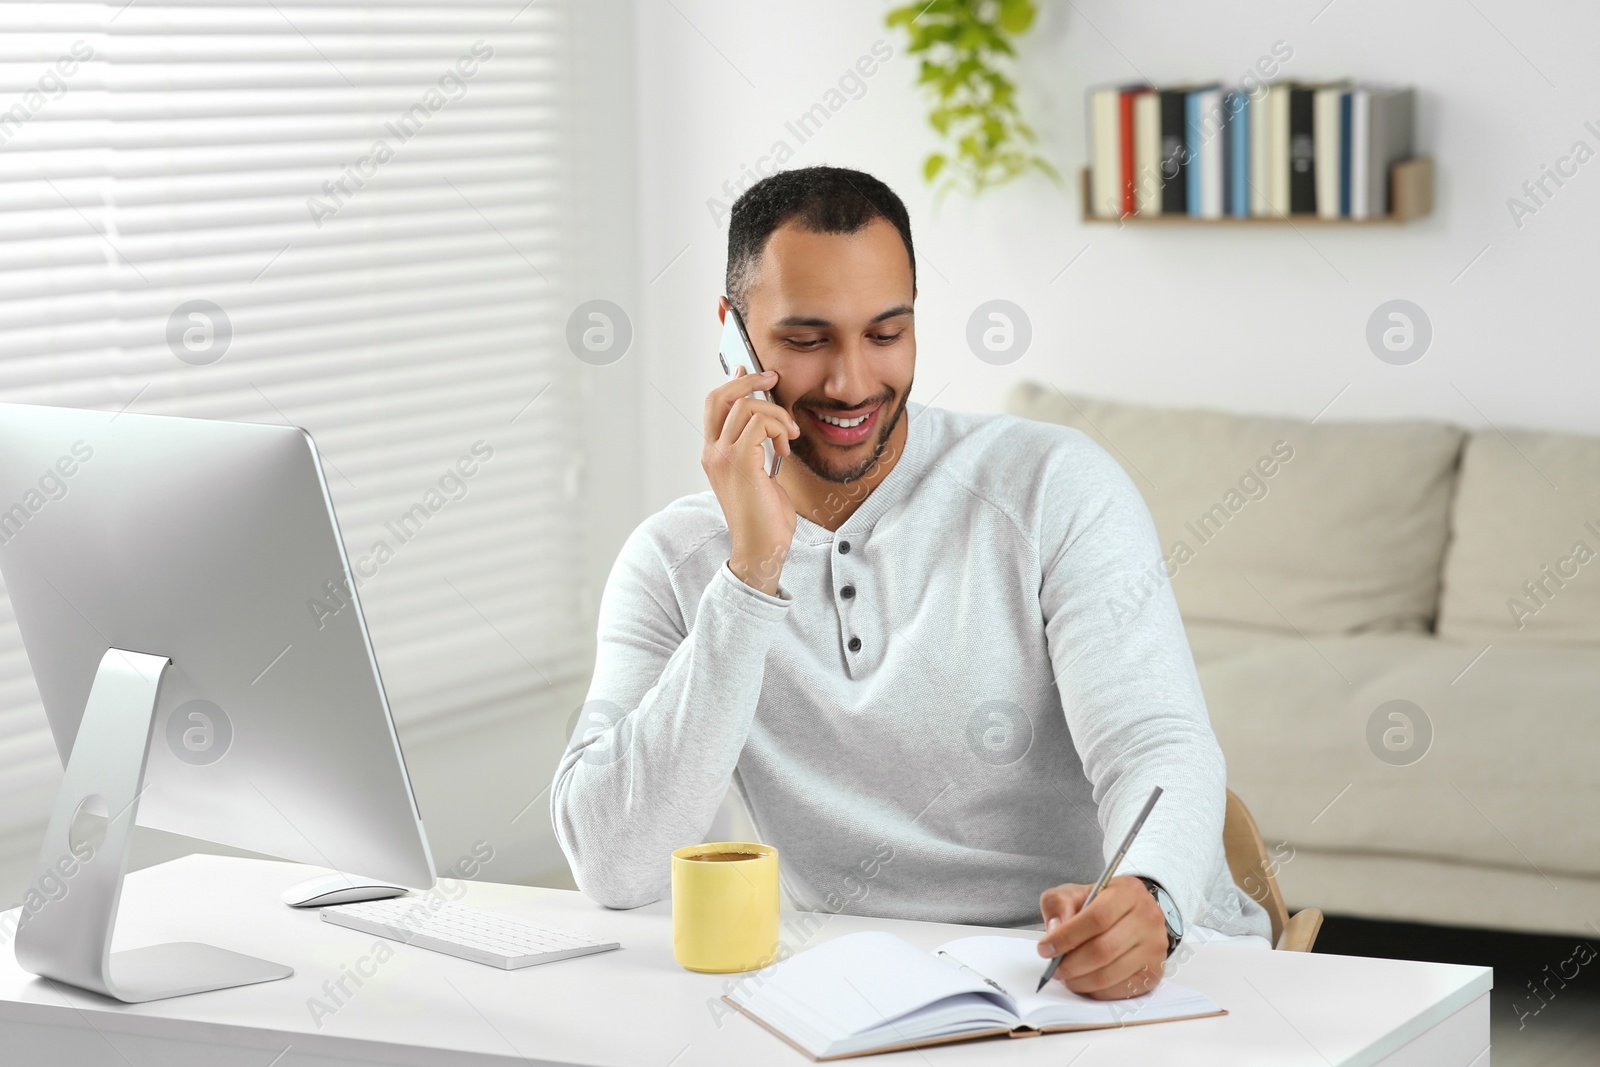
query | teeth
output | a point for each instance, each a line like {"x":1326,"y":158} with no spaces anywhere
{"x":842,"y":422}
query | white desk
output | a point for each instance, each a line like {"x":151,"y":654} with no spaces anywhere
{"x":636,"y":1006}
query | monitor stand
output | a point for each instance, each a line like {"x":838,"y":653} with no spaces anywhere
{"x":68,"y":937}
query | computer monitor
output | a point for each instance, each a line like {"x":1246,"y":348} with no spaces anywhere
{"x":192,"y":623}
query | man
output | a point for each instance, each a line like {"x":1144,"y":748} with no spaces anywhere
{"x":899,"y":650}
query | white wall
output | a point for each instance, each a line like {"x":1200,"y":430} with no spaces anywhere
{"x":1263,"y":318}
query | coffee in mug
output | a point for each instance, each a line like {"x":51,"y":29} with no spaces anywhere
{"x":725,"y":906}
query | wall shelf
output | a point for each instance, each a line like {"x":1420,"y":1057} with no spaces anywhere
{"x":1410,"y":192}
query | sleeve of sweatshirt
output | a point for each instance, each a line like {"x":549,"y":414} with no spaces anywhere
{"x":667,"y":714}
{"x":1125,"y":673}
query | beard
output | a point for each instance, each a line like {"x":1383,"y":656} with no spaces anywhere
{"x":805,"y":450}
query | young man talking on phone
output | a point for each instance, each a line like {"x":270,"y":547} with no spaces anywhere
{"x":900,"y":645}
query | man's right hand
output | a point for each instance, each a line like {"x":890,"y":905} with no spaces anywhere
{"x":760,"y":516}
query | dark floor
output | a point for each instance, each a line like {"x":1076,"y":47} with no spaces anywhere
{"x":1560,"y":1027}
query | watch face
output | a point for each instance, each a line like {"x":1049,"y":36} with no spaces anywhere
{"x":1169,"y":908}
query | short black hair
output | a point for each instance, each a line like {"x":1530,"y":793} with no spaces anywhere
{"x":823,"y":200}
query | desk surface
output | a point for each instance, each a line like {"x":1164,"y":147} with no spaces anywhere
{"x":637,"y":1006}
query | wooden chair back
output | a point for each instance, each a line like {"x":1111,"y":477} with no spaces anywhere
{"x":1255,"y":872}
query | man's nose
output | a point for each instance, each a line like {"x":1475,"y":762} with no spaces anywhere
{"x":850,"y":378}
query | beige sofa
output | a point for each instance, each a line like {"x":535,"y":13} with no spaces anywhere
{"x":1397,"y":626}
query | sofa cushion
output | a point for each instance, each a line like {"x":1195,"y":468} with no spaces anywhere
{"x":1279,"y":523}
{"x":1524,"y":559}
{"x":1507,"y":779}
{"x":1210,"y":642}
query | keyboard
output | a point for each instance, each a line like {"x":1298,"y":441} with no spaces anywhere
{"x":457,"y":930}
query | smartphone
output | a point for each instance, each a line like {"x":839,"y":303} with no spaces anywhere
{"x":734,"y":352}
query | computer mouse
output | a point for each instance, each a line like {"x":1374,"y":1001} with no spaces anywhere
{"x":338,"y":889}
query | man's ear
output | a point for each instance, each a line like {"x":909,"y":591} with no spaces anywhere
{"x":722,"y":308}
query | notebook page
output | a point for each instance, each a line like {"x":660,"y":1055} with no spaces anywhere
{"x":1015,"y":965}
{"x":861,"y":982}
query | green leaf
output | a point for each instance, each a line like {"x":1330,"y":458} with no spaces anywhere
{"x":1016,"y":16}
{"x":932,"y":166}
{"x":971,"y":35}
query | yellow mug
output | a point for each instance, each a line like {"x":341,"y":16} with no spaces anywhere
{"x":725,"y":906}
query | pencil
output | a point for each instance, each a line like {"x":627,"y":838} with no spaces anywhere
{"x":1111,"y":869}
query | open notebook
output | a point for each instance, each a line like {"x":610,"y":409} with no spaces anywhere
{"x":874,"y":992}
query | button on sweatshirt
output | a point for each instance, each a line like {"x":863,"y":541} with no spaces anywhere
{"x":980,"y":717}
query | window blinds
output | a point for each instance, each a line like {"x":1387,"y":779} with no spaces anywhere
{"x":346,"y":216}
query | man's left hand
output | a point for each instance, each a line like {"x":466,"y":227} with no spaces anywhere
{"x":1114,"y":949}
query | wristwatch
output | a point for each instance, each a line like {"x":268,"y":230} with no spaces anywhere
{"x":1169,"y":909}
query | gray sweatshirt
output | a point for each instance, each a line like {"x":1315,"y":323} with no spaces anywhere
{"x":959,"y":699}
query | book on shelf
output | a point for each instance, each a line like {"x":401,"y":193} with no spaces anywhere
{"x":1278,"y":148}
{"x":1174,"y":152}
{"x":1326,"y":137}
{"x":1260,"y":159}
{"x":1302,"y":150}
{"x":1125,"y":170}
{"x":1344,"y":153}
{"x":1211,"y":152}
{"x":1390,"y":122}
{"x":1203,"y":133}
{"x":874,"y":992}
{"x":1360,"y":152}
{"x":1147,"y":153}
{"x":1236,"y":115}
{"x":1105,"y":156}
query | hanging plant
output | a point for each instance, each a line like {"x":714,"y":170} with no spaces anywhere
{"x":966,"y":49}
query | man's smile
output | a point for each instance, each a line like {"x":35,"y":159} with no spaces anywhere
{"x":845,"y":428}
